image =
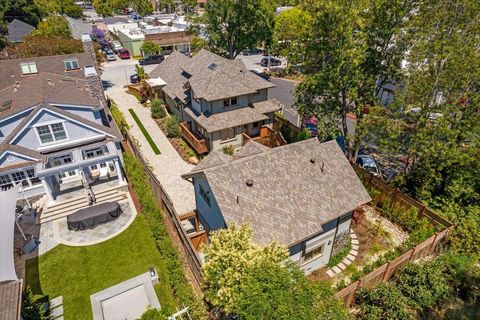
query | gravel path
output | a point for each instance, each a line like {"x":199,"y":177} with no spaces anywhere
{"x":398,"y":236}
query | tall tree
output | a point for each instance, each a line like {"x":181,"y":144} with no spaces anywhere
{"x":335,"y":54}
{"x":291,"y":34}
{"x":24,"y":10}
{"x":233,"y":26}
{"x":53,"y":26}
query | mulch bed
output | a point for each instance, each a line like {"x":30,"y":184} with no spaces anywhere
{"x":178,"y":143}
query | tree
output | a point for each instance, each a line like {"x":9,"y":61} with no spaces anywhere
{"x":334,"y":57}
{"x":25,"y":10}
{"x":149,"y":47}
{"x":291,"y":34}
{"x":143,"y":7}
{"x":31,"y":309}
{"x":229,"y":258}
{"x":233,"y":26}
{"x":38,"y":46}
{"x":73,"y":11}
{"x":53,"y":26}
{"x":140,"y":71}
{"x":99,"y":36}
{"x":197,"y":44}
{"x":254,"y":282}
{"x":157,"y":109}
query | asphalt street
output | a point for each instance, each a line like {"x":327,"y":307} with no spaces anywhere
{"x":116,"y":74}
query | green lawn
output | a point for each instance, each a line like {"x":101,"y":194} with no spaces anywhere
{"x":145,"y":132}
{"x":78,"y":272}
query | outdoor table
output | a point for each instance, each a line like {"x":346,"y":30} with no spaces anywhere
{"x":91,"y":216}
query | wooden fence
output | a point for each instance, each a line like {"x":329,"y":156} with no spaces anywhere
{"x":166,"y":205}
{"x":385,"y":272}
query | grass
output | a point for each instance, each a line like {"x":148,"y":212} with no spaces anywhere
{"x":77,"y":272}
{"x":145,"y":132}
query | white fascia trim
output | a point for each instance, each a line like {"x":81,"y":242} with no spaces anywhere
{"x":70,"y":142}
{"x":13,"y":140}
{"x":73,"y":106}
{"x":16,"y":154}
{"x":16,"y":114}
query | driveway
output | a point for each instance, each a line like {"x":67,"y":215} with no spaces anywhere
{"x":116,"y":74}
{"x":79,"y":27}
{"x":168,"y":166}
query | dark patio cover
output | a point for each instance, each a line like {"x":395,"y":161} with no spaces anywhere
{"x":89,"y":217}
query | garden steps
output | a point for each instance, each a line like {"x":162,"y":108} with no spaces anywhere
{"x":339,"y":268}
{"x":68,"y":207}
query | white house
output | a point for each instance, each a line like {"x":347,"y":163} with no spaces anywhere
{"x":301,"y":195}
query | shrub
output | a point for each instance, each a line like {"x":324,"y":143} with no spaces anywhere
{"x":382,"y":302}
{"x":358,"y":216}
{"x":228,"y":150}
{"x":172,"y":127}
{"x":32,"y":309}
{"x":338,"y":257}
{"x":424,"y":285}
{"x":73,"y":11}
{"x":150,"y":209}
{"x":118,"y":117}
{"x":157,"y":109}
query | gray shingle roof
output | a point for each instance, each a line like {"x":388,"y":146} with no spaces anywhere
{"x":11,"y":71}
{"x":17,"y":30}
{"x":233,"y":118}
{"x":210,"y":76}
{"x":292,"y":196}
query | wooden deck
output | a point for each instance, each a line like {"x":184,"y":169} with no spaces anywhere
{"x":200,"y":145}
{"x":268,"y":137}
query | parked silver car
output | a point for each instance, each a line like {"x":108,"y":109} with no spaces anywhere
{"x":110,"y":55}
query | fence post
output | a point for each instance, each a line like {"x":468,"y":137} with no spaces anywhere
{"x":421,"y":211}
{"x":394,"y":199}
{"x":430,"y":250}
{"x":384,"y":276}
{"x":413,"y":252}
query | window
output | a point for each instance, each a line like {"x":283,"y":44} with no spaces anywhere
{"x":255,"y":124}
{"x":227,"y":134}
{"x":229,"y":102}
{"x":71,"y":64}
{"x":31,"y":175}
{"x":94,"y":167}
{"x":29,"y":67}
{"x":92,"y":153}
{"x":58,"y":161}
{"x":52,"y":132}
{"x":103,"y":165}
{"x":5,"y":179}
{"x":204,"y":195}
{"x":312,"y":253}
{"x":20,"y":177}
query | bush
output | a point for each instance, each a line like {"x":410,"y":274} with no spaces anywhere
{"x":73,"y":11}
{"x":172,"y":127}
{"x":150,"y":209}
{"x":382,"y":302}
{"x":118,"y":117}
{"x":157,"y":109}
{"x":32,"y":309}
{"x":228,"y":150}
{"x":424,"y":285}
{"x":337,"y":258}
{"x":358,"y":216}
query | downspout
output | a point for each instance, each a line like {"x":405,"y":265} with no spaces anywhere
{"x":334,"y":238}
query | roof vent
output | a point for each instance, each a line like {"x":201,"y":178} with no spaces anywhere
{"x":6,"y":105}
{"x":249,"y":182}
{"x":323,"y":165}
{"x":212,"y":66}
{"x":312,"y":160}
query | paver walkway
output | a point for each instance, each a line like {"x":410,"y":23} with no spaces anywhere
{"x":168,"y":166}
{"x":339,"y":268}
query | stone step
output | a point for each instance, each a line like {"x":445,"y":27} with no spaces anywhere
{"x":346,"y":262}
{"x":330,"y":273}
{"x":351,"y":257}
{"x":336,"y":269}
{"x":355,"y":247}
{"x":355,"y":242}
{"x":55,"y":302}
{"x":342,"y":266}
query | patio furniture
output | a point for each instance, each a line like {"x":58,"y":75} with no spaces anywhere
{"x":90,"y":217}
{"x":95,"y":174}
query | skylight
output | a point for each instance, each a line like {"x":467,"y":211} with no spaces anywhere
{"x":6,"y":105}
{"x":212,"y":66}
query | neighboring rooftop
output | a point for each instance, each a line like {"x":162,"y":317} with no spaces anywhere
{"x":10,"y":300}
{"x":284,"y":193}
{"x":17,"y":30}
{"x":210,"y":76}
{"x":13,"y":71}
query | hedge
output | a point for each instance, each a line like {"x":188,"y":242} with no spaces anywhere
{"x":118,"y":117}
{"x":182,"y":289}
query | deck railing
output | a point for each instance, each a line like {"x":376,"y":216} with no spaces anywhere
{"x":200,"y":145}
{"x":268,"y":137}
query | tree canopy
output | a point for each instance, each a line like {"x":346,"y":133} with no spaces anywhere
{"x":254,"y":282}
{"x":233,"y":26}
{"x":53,"y":26}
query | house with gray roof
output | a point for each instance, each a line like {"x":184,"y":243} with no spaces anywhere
{"x":17,"y":29}
{"x":219,"y":102}
{"x":301,"y":195}
{"x":56,"y":132}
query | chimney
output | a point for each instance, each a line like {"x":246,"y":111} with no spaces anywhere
{"x":88,"y":48}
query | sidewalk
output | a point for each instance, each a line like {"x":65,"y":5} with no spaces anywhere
{"x":168,"y":166}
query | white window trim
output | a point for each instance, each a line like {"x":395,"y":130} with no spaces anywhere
{"x":29,"y":63}
{"x":50,"y":123}
{"x":70,"y":60}
{"x":27,"y":178}
{"x":304,"y":252}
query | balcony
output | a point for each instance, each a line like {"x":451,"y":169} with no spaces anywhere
{"x":268,"y":137}
{"x":200,"y":145}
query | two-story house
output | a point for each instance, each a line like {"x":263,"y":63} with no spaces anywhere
{"x":56,"y":132}
{"x":301,"y":195}
{"x":219,"y":101}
